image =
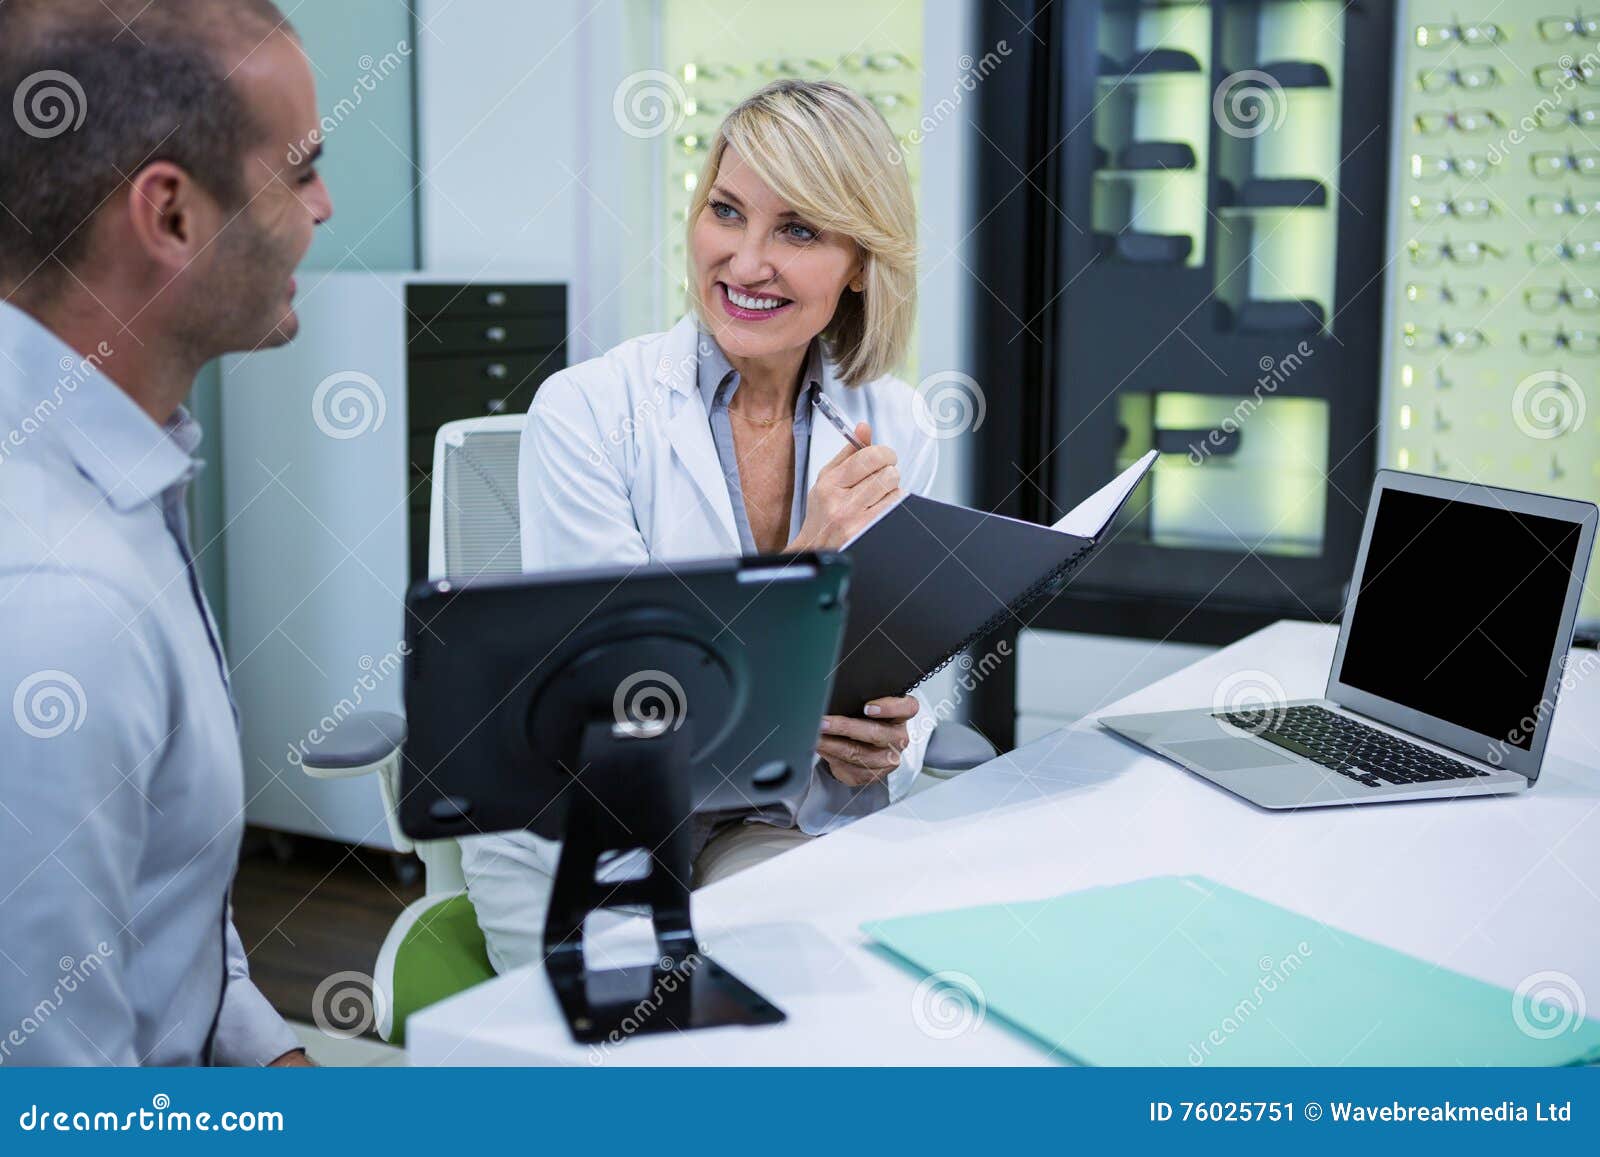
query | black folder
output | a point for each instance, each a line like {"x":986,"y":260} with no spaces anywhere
{"x":929,"y":579}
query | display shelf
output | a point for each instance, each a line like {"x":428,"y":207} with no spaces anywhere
{"x":1146,"y":248}
{"x":1263,"y":342}
{"x":1292,"y":74}
{"x":1153,"y":64}
{"x":1140,"y":157}
{"x":1266,"y":194}
{"x":1149,"y":199}
{"x":1277,"y":317}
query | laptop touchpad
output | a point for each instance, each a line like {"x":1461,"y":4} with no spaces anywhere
{"x":1229,"y":754}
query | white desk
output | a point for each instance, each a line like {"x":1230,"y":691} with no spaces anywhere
{"x":1498,"y":888}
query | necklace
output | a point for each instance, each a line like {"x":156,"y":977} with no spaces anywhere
{"x":764,"y":423}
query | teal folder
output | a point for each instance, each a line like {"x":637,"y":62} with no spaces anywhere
{"x":1180,"y":970}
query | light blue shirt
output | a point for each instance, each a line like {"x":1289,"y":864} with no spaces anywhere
{"x":121,"y":787}
{"x":718,"y":382}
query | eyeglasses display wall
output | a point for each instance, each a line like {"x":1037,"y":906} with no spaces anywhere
{"x":718,"y":56}
{"x":1216,"y":297}
{"x":1493,"y":321}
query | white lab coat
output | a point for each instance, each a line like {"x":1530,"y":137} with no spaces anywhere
{"x":618,"y":467}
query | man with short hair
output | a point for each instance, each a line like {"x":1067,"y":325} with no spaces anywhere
{"x":151,"y":219}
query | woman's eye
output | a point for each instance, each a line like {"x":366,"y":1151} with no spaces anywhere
{"x":724,"y":210}
{"x":802,"y":232}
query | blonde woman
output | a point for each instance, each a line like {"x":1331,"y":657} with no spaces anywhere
{"x":703,"y":442}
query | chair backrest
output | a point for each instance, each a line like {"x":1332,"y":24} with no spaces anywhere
{"x":473,"y":530}
{"x":473,"y":526}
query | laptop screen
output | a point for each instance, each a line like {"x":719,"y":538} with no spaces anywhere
{"x":1459,"y":610}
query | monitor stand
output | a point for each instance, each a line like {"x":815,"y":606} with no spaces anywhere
{"x":633,"y":792}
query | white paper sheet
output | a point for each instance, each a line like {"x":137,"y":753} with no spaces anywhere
{"x":1091,"y":516}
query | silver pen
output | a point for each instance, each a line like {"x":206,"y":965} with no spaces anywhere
{"x":831,"y":412}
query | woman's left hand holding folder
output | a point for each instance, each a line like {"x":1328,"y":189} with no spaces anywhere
{"x":862,"y":751}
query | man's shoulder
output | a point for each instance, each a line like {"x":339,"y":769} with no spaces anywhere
{"x":54,"y":519}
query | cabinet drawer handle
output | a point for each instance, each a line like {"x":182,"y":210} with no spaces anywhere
{"x":495,"y":333}
{"x":496,"y":370}
{"x":495,"y":298}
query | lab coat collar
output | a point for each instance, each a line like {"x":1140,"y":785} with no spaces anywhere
{"x":114,"y":443}
{"x":689,"y":426}
{"x":678,"y":366}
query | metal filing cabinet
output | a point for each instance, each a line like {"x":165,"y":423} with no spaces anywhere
{"x":327,"y":449}
{"x":472,"y":350}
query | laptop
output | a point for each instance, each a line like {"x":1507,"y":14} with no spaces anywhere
{"x":1450,"y":658}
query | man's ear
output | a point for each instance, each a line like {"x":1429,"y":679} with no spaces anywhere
{"x":166,"y":211}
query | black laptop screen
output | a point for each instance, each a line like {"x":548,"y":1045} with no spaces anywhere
{"x":1459,"y":609}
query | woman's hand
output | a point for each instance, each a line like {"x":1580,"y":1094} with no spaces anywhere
{"x":850,"y":492}
{"x":863,"y":751}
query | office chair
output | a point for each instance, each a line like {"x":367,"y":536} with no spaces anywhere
{"x":435,"y":947}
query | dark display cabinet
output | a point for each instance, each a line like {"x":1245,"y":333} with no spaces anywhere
{"x":1196,"y":259}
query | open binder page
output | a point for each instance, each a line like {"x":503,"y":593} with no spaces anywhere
{"x":931,"y":578}
{"x":1094,"y":513}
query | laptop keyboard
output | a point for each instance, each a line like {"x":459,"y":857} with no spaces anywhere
{"x":1365,"y":754}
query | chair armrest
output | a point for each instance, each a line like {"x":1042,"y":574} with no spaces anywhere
{"x":954,"y":748}
{"x":359,"y":744}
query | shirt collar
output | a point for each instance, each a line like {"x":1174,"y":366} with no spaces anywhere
{"x":714,"y":370}
{"x":115,"y":444}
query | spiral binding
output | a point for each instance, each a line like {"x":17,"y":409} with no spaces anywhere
{"x":1022,"y":602}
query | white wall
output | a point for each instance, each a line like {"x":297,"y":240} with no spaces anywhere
{"x":526,"y":170}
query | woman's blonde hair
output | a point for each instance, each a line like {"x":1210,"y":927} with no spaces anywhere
{"x":826,"y":151}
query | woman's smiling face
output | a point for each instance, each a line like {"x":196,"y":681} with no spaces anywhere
{"x":768,"y":280}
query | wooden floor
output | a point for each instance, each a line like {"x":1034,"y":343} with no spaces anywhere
{"x":323,"y":910}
